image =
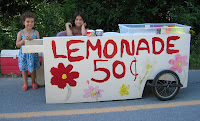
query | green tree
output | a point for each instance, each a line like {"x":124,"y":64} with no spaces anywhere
{"x":104,"y":14}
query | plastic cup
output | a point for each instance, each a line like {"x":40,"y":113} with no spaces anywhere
{"x":90,"y":33}
{"x":99,"y":32}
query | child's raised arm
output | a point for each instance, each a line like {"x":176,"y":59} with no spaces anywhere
{"x":68,"y":29}
{"x":83,"y":29}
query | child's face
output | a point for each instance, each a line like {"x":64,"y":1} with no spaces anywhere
{"x":29,"y":23}
{"x":79,"y":21}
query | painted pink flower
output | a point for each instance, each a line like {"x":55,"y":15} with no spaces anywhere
{"x":178,"y":63}
{"x":93,"y":92}
{"x":63,"y":75}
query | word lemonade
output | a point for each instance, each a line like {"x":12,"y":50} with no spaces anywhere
{"x":111,"y":49}
{"x":131,"y":48}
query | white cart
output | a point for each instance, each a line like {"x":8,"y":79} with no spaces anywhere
{"x":115,"y":66}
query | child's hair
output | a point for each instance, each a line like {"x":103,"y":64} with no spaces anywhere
{"x":79,"y":13}
{"x":27,"y":15}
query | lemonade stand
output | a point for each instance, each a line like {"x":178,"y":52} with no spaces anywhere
{"x":115,"y":66}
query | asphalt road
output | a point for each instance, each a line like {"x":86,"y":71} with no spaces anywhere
{"x":17,"y":105}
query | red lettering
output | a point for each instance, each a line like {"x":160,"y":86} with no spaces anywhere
{"x":154,"y":40}
{"x":70,"y":58}
{"x":136,"y":74}
{"x":171,"y":51}
{"x":106,"y":71}
{"x":143,"y":48}
{"x":105,"y":50}
{"x":126,"y":43}
{"x":115,"y":64}
{"x":98,"y":45}
{"x":54,"y":51}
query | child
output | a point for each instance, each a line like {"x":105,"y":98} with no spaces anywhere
{"x":77,"y":25}
{"x":28,"y":61}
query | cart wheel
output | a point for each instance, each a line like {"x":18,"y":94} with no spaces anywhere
{"x":166,"y":85}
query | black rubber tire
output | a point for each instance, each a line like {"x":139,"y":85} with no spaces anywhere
{"x":163,"y":91}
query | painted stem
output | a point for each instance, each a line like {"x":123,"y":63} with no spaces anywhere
{"x":96,"y":97}
{"x":69,"y":92}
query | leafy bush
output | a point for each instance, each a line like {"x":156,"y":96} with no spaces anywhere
{"x":187,"y":12}
{"x":107,"y":14}
{"x":8,"y":38}
{"x":51,"y":18}
{"x":194,"y":53}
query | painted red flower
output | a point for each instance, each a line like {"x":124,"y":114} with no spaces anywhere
{"x":62,"y":76}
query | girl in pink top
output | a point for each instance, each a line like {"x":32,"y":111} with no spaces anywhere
{"x":77,"y":26}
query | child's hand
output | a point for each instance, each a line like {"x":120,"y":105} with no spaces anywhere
{"x":85,"y":24}
{"x":29,"y":38}
{"x":68,"y":24}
